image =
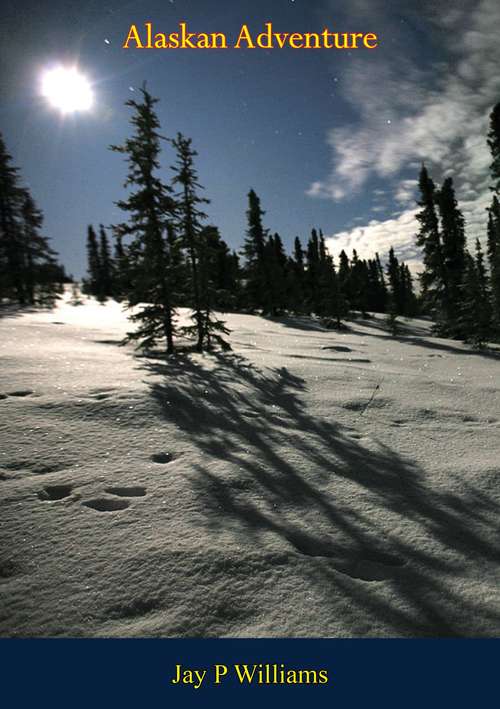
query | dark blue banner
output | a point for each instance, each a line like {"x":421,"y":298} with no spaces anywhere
{"x":172,"y":673}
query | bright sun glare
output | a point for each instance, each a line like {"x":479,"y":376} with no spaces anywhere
{"x":67,"y":90}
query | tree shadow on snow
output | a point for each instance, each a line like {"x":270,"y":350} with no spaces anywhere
{"x":440,"y":345}
{"x":278,"y":476}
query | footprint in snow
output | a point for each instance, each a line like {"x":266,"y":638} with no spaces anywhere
{"x":164,"y":457}
{"x":133,"y":491}
{"x":337,"y":348}
{"x":106,"y":504}
{"x":51,"y":493}
{"x":8,"y":569}
{"x":366,"y":564}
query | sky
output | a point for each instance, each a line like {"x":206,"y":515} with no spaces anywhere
{"x":328,"y":139}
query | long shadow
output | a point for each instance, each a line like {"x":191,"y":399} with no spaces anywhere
{"x":14,"y":311}
{"x":271,"y":469}
{"x":309,"y":323}
{"x":433,"y":345}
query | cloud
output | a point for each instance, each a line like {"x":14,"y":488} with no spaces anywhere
{"x":398,"y":232}
{"x":438,"y":112}
{"x":406,"y":191}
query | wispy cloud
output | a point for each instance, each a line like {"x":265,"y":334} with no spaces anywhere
{"x":380,"y":236}
{"x":438,"y":113}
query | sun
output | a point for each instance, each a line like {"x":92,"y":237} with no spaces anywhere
{"x":67,"y":90}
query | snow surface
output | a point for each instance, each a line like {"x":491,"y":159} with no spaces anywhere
{"x":247,"y":494}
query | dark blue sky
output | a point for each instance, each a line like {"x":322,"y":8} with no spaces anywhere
{"x":326,"y":138}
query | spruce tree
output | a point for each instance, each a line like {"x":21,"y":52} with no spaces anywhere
{"x":275,"y":260}
{"x":453,"y":253}
{"x":395,"y":285}
{"x":105,"y":287}
{"x":209,"y":252}
{"x":358,"y":284}
{"x":434,"y":292}
{"x":493,"y":245}
{"x":121,"y":280}
{"x":494,"y":145}
{"x":150,"y":209}
{"x":475,"y":307}
{"x":224,"y":270}
{"x":12,"y":256}
{"x":29,"y":272}
{"x":312,"y":273}
{"x":381,"y":285}
{"x":409,"y":297}
{"x":484,"y":305}
{"x":295,"y":278}
{"x":93,"y":262}
{"x":190,"y":217}
{"x":333,"y":304}
{"x":253,"y":252}
{"x":344,"y":277}
{"x":39,"y":258}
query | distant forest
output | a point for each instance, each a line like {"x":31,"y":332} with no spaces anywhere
{"x":166,"y":255}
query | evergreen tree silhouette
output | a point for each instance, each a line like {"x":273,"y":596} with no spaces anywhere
{"x":121,"y":280}
{"x":409,"y":297}
{"x":253,"y":252}
{"x":475,"y":305}
{"x":493,"y":246}
{"x":382,"y":288}
{"x":344,"y":274}
{"x":453,"y":254}
{"x":39,"y":259}
{"x":494,"y":145}
{"x":29,"y":272}
{"x":312,"y":273}
{"x":358,"y":284}
{"x":275,"y":261}
{"x":294,"y":276}
{"x":296,"y":281}
{"x":150,"y":209}
{"x":376,"y":291}
{"x":213,"y":328}
{"x":207,"y":327}
{"x":105,"y":282}
{"x":432,"y":280}
{"x":224,"y":270}
{"x":395,"y":285}
{"x":93,"y":262}
{"x":11,"y":238}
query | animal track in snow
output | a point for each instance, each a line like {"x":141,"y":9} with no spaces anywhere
{"x":25,"y":467}
{"x":165,"y":457}
{"x":133,"y":608}
{"x":355,"y":435}
{"x":133,"y":491}
{"x":8,"y":569}
{"x":17,"y":392}
{"x":100,"y":394}
{"x":106,"y":504}
{"x":366,"y":565}
{"x":337,"y":348}
{"x":51,"y":493}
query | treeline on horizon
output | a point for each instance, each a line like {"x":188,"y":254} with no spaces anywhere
{"x":166,"y":255}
